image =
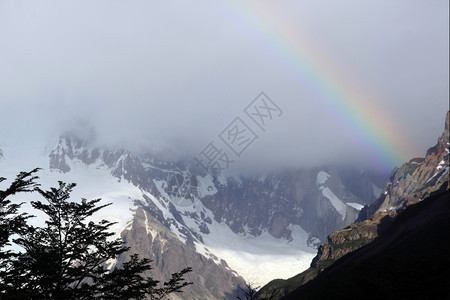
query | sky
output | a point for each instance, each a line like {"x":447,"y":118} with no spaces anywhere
{"x":361,"y":82}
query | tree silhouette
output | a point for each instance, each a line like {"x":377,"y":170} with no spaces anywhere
{"x":11,"y":222}
{"x":250,"y":292}
{"x":67,"y":258}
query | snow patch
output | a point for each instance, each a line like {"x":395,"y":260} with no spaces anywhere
{"x":335,"y":201}
{"x":355,"y":205}
{"x":207,"y":186}
{"x":441,"y":164}
{"x":438,"y":172}
{"x":443,"y":174}
{"x":314,"y":242}
{"x":322,"y":177}
{"x":263,"y":258}
{"x":92,"y":183}
{"x":258,"y":259}
{"x":392,"y":208}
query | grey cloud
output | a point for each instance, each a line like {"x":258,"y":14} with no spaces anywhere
{"x":176,"y":73}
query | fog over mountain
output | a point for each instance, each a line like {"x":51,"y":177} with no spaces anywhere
{"x":293,"y":112}
{"x":176,"y":74}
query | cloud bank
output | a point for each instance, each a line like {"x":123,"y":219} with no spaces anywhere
{"x":175,"y":74}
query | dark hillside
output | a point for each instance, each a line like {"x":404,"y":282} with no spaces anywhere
{"x":411,"y":260}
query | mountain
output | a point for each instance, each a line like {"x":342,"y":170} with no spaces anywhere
{"x":408,"y":261}
{"x":416,"y":179}
{"x":227,"y":228}
{"x":409,"y":185}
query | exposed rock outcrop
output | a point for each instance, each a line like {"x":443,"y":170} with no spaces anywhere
{"x":350,"y":238}
{"x":150,"y":238}
{"x":287,"y":197}
{"x":415,"y":179}
{"x":408,"y":185}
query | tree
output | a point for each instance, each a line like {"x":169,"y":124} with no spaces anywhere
{"x":250,"y":292}
{"x":11,"y":221}
{"x":67,"y":257}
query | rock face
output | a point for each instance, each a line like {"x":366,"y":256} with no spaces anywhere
{"x":150,"y":238}
{"x":408,"y":185}
{"x":416,"y":179}
{"x":246,"y":204}
{"x":355,"y":236}
{"x":288,"y":197}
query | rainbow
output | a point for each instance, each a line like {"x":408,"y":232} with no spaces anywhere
{"x":341,"y":95}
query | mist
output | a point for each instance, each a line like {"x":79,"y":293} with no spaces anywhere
{"x":173,"y":75}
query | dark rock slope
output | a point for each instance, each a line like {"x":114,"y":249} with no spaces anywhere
{"x":408,"y":261}
{"x":408,"y":185}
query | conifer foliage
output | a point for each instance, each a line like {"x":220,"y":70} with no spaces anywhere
{"x":68,"y":257}
{"x":11,"y":221}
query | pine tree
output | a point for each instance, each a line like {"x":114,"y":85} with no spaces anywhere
{"x":67,"y":258}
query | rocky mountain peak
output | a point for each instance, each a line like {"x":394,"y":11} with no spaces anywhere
{"x":416,"y":179}
{"x":130,"y":168}
{"x":72,"y":149}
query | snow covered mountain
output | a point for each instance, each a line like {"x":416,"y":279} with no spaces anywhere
{"x":228,"y":229}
